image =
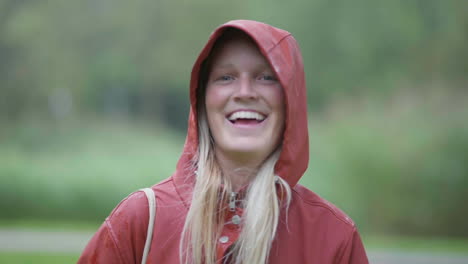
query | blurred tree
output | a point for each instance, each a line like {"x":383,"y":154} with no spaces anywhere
{"x":111,"y":57}
{"x":367,"y":46}
{"x":100,"y":50}
{"x":11,"y":100}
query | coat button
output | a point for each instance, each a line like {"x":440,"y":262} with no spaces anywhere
{"x":236,"y":219}
{"x":224,"y":239}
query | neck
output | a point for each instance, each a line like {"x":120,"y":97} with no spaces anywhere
{"x":239,"y":170}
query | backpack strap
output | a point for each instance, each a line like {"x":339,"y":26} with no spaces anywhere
{"x":152,"y":214}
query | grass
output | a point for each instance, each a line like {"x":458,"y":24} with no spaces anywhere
{"x":36,"y":258}
{"x":404,"y":243}
{"x":82,"y":170}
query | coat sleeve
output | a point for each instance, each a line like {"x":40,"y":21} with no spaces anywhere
{"x":102,"y":248}
{"x":121,"y":238}
{"x":353,"y":251}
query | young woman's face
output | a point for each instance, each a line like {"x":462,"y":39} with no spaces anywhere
{"x":244,"y":102}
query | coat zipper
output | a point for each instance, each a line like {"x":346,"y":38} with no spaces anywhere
{"x":232,"y":201}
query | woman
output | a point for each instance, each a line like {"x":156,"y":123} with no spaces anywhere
{"x":234,"y":196}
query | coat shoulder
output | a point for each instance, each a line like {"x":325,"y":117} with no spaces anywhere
{"x":136,"y":203}
{"x":122,"y":236}
{"x":314,"y":203}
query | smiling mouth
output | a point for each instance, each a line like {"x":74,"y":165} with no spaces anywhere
{"x":246,"y":118}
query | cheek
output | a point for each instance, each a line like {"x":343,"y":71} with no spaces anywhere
{"x":214,"y":105}
{"x":276,"y":100}
{"x":213,"y":99}
{"x":278,"y":103}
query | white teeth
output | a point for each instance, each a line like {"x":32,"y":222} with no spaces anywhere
{"x":246,"y":115}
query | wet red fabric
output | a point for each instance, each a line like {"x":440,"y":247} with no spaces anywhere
{"x":311,"y":231}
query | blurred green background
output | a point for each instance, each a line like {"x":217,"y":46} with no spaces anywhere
{"x":94,"y":105}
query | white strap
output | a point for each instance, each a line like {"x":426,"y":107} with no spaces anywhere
{"x":152,"y":214}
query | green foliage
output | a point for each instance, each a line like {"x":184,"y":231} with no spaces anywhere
{"x":374,"y":46}
{"x":432,"y":245}
{"x":396,"y":166}
{"x":123,"y":56}
{"x":80,"y":171}
{"x":36,"y":258}
{"x":109,"y":57}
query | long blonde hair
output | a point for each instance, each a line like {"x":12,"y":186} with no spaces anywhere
{"x":205,"y":218}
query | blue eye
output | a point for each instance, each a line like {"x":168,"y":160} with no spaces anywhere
{"x":225,"y":78}
{"x":268,"y":77}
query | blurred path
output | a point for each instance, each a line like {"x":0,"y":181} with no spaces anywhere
{"x":15,"y":240}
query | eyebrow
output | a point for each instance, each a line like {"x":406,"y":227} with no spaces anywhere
{"x":222,"y":66}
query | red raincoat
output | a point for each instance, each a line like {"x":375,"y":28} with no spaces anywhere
{"x":313,"y":231}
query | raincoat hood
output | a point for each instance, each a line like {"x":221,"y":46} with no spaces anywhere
{"x":282,"y":52}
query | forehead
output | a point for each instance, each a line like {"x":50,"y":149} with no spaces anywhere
{"x":233,"y":47}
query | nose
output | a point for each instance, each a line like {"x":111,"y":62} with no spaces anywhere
{"x":246,"y":89}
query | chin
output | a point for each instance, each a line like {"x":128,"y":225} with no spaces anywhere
{"x":251,"y":149}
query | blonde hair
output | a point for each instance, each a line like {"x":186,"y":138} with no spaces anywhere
{"x":205,"y":218}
